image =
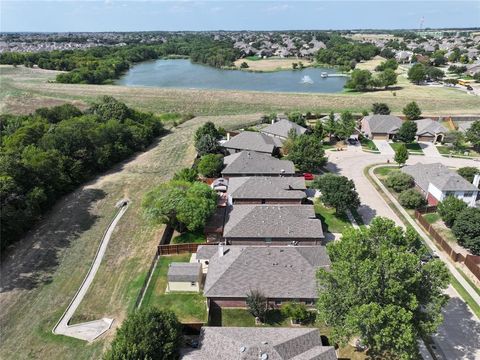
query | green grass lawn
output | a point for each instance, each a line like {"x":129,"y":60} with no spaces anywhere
{"x":447,"y":150}
{"x":411,"y":147}
{"x":242,"y":317}
{"x":368,"y":144}
{"x":384,"y":171}
{"x":189,"y":237}
{"x":432,"y":217}
{"x":189,"y":307}
{"x":332,"y":222}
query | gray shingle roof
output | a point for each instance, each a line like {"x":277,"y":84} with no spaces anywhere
{"x":286,"y":272}
{"x":269,"y":187}
{"x":253,"y":163}
{"x":429,"y":126}
{"x":254,"y":141}
{"x":247,"y":343}
{"x":464,"y":125}
{"x":282,"y":128}
{"x":439,"y":175}
{"x":383,"y":124}
{"x":272,"y":221}
{"x":178,"y":271}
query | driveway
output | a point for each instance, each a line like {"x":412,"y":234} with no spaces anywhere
{"x":429,"y":149}
{"x":384,"y":147}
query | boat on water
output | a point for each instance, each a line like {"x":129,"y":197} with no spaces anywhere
{"x":306,"y":80}
{"x":324,"y":74}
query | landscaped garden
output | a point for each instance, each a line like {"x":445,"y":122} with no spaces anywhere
{"x":189,"y":307}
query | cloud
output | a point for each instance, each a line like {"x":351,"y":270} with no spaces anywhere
{"x":278,"y":8}
{"x":216,"y":9}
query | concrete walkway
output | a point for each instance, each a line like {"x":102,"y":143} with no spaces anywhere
{"x":91,"y":330}
{"x":429,"y":149}
{"x":384,"y":147}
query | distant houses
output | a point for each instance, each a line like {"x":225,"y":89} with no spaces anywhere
{"x":253,"y":141}
{"x":282,"y":128}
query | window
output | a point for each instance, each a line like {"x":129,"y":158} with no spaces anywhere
{"x":278,"y":302}
{"x":268,"y":240}
{"x":468,"y":194}
{"x":449,"y":193}
{"x":308,"y":302}
{"x":193,"y":283}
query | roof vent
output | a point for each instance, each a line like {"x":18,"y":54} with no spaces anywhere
{"x":264,"y":342}
{"x":264,"y":356}
{"x":242,"y":349}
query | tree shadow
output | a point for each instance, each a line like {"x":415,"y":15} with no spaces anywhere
{"x":33,"y":259}
{"x":366,"y":213}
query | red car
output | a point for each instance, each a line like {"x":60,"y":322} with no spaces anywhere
{"x":308,"y":176}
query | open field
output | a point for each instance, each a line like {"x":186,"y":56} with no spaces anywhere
{"x":23,"y":90}
{"x":42,"y":274}
{"x":271,"y":64}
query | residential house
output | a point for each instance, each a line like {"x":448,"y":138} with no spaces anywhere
{"x":256,"y":343}
{"x":429,"y":130}
{"x":251,"y":163}
{"x":436,"y":182}
{"x":183,"y":276}
{"x":272,"y":224}
{"x":281,"y":129}
{"x":280,"y":273}
{"x":380,"y":127}
{"x":252,"y":141}
{"x":266,"y":190}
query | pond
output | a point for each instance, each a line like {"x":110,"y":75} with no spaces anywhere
{"x":187,"y":75}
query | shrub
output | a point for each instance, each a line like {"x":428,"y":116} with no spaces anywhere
{"x":380,"y":108}
{"x":468,"y":172}
{"x":411,"y":199}
{"x":466,"y":229}
{"x":450,"y":208}
{"x":186,"y":174}
{"x":296,"y":311}
{"x":257,"y":304}
{"x":412,"y":111}
{"x":210,"y":165}
{"x":399,"y":181}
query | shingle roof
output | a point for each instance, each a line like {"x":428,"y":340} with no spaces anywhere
{"x":464,"y":125}
{"x":384,"y":124}
{"x":429,"y":126}
{"x":282,"y":128}
{"x":254,"y":141}
{"x":248,"y":343}
{"x":253,"y":163}
{"x":286,"y":272}
{"x":439,"y":175}
{"x":178,"y":271}
{"x":269,"y":187}
{"x":272,"y":221}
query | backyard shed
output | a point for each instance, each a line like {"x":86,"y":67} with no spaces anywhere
{"x":184,"y":276}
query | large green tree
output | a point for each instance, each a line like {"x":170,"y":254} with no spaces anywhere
{"x":466,"y":229}
{"x":148,"y":333}
{"x":345,"y":126}
{"x":412,"y":111}
{"x":210,"y":165}
{"x":337,"y":192}
{"x":417,"y":73}
{"x":307,"y":153}
{"x":387,"y":78}
{"x":407,"y":131}
{"x":360,"y":80}
{"x":450,"y":208}
{"x":379,"y":290}
{"x":380,"y":108}
{"x":473,"y":135}
{"x":180,"y":204}
{"x":468,"y":172}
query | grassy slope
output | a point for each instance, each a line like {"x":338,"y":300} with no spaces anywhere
{"x":49,"y":263}
{"x":24,"y":89}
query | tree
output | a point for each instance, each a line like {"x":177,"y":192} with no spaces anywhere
{"x":296,"y":311}
{"x":434,"y":73}
{"x":244,"y":65}
{"x":468,"y":173}
{"x":417,"y":74}
{"x":186,"y":174}
{"x":294,"y":65}
{"x":456,"y":138}
{"x":257,"y":304}
{"x":330,"y":125}
{"x":307,"y":153}
{"x":319,"y":131}
{"x":388,"y":64}
{"x":337,"y":191}
{"x":345,"y":126}
{"x":210,"y":165}
{"x":400,"y":300}
{"x":450,"y":208}
{"x":180,"y":204}
{"x":399,"y":181}
{"x":412,"y":111}
{"x":401,"y":155}
{"x":297,"y":118}
{"x":466,"y":229}
{"x":147,"y":333}
{"x":380,"y":108}
{"x":473,"y":134}
{"x":359,"y":80}
{"x":387,"y":78}
{"x":411,"y":199}
{"x":407,"y":132}
{"x":206,"y":129}
{"x":207,"y":144}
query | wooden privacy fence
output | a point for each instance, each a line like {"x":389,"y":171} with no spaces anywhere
{"x":473,"y":264}
{"x":171,"y":249}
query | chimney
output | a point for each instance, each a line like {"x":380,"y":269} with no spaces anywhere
{"x":476,"y":180}
{"x":228,"y":136}
{"x":221,"y":251}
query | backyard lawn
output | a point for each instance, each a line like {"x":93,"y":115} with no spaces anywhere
{"x":413,"y":148}
{"x":331,"y":222}
{"x":189,"y":307}
{"x":189,"y":237}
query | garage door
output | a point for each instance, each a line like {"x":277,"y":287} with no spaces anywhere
{"x":379,"y":136}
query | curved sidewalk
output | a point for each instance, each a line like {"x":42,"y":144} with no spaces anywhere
{"x":91,"y":330}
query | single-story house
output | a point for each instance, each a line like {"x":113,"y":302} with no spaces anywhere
{"x":214,"y":225}
{"x":256,"y":343}
{"x":280,"y":273}
{"x":272,"y":224}
{"x":380,"y":127}
{"x":266,"y":190}
{"x":463,"y":126}
{"x":251,"y":163}
{"x":281,"y":129}
{"x":436,"y":182}
{"x":429,"y":130}
{"x":183,"y":276}
{"x":253,"y":141}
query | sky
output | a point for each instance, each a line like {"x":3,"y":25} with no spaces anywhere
{"x":149,"y":15}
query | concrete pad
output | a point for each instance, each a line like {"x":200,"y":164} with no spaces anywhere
{"x":88,"y":331}
{"x":384,"y":147}
{"x":429,"y":149}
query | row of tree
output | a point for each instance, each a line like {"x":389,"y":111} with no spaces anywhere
{"x":50,"y":152}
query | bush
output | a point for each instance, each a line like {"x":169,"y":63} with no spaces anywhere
{"x":296,"y":311}
{"x":186,"y":174}
{"x":466,"y":229}
{"x":210,"y":165}
{"x":399,"y":181}
{"x":412,"y":111}
{"x":407,"y":131}
{"x":450,"y":208}
{"x":257,"y":304}
{"x":468,"y":172}
{"x":380,"y":108}
{"x":411,"y":199}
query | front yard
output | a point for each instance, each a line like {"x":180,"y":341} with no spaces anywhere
{"x":189,"y":307}
{"x":449,"y":151}
{"x":331,"y":222}
{"x":413,"y":148}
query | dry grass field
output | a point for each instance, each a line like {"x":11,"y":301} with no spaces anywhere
{"x":40,"y":277}
{"x":271,"y":64}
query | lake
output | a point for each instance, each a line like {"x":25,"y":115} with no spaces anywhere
{"x":186,"y":75}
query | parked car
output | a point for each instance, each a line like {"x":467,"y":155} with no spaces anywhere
{"x":308,"y":176}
